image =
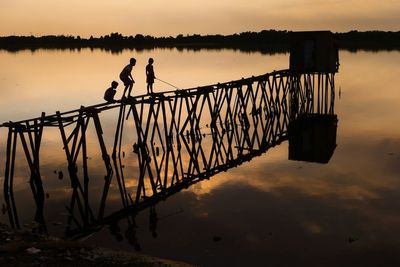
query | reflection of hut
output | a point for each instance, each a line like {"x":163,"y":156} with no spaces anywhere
{"x":312,"y":137}
{"x":314,"y":51}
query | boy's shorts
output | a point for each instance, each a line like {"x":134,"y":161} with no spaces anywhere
{"x":126,"y":81}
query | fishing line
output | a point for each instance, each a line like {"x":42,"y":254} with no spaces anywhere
{"x":167,"y":83}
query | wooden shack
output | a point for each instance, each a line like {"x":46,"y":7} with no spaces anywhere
{"x":313,"y":51}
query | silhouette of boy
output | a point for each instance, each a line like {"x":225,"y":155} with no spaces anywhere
{"x":150,"y":76}
{"x":126,"y":77}
{"x":110,"y":92}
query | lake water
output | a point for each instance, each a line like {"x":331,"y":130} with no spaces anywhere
{"x":267,"y":212}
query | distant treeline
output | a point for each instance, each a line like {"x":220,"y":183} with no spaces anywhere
{"x":268,"y":41}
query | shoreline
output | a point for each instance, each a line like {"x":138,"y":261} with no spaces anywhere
{"x":24,"y":248}
{"x":266,"y":41}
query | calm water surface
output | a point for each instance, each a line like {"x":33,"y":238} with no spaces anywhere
{"x":267,"y":212}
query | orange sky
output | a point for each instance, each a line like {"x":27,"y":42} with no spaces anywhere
{"x":163,"y":18}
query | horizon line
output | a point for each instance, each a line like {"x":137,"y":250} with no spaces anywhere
{"x":196,"y":34}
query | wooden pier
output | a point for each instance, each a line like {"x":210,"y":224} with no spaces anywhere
{"x":182,"y":137}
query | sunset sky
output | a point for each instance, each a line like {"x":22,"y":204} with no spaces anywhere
{"x":164,"y":18}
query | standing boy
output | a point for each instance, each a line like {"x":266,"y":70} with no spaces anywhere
{"x":126,"y":77}
{"x":150,"y":76}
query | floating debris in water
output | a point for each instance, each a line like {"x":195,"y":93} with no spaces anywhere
{"x":352,"y":239}
{"x":217,"y":238}
{"x":135,"y":148}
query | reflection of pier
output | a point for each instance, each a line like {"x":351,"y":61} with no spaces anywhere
{"x":182,"y":137}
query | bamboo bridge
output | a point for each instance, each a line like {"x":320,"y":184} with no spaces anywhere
{"x":181,"y":137}
{"x":243,"y":119}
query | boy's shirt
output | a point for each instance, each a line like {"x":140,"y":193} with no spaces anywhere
{"x":126,"y":71}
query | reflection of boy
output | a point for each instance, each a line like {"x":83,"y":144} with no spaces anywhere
{"x":150,"y":76}
{"x":126,"y":77}
{"x":110,"y":92}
